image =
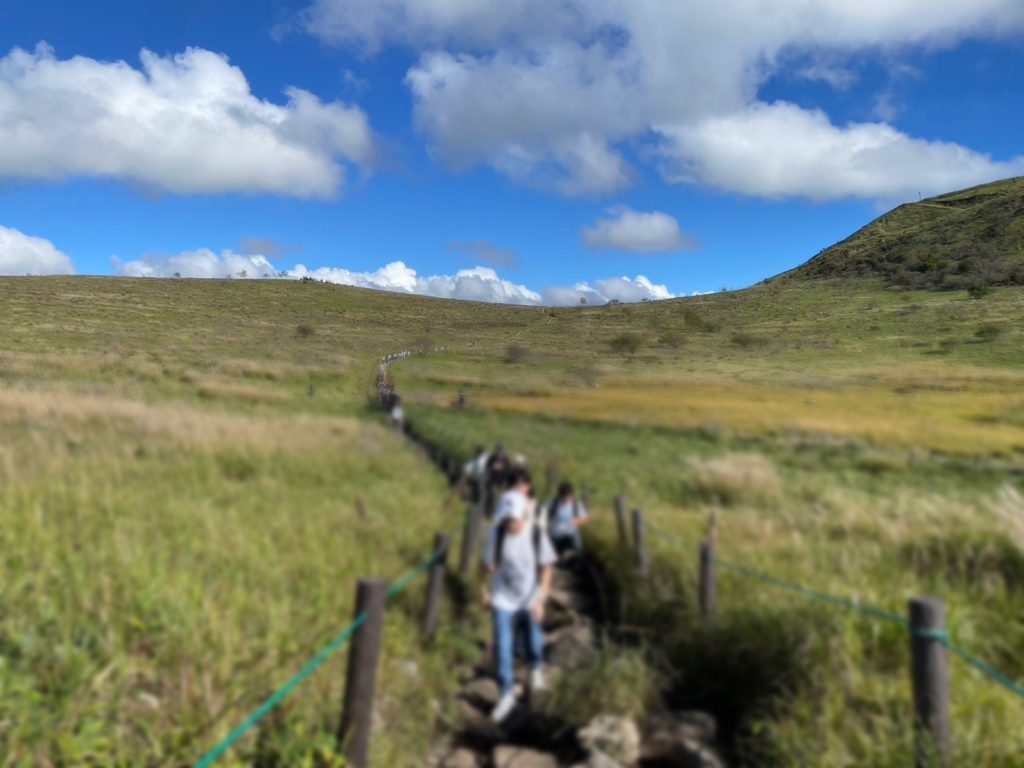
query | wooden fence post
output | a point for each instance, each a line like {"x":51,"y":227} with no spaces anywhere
{"x":930,"y":673}
{"x":620,"y":519}
{"x":470,"y":535}
{"x":707,"y":589}
{"x":550,"y":479}
{"x":435,"y":584}
{"x":639,"y":542}
{"x":361,"y":682}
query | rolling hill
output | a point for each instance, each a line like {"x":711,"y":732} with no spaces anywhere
{"x":973,"y":238}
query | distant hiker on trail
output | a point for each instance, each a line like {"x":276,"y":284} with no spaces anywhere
{"x":495,"y":477}
{"x":397,"y":412}
{"x":519,"y":557}
{"x":462,"y":399}
{"x":475,"y":469}
{"x":564,"y":517}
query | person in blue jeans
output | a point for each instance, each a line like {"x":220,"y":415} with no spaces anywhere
{"x":519,"y":558}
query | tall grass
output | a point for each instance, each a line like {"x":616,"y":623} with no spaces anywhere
{"x":796,"y":682}
{"x":161,"y":574}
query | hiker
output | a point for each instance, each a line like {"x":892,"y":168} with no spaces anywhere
{"x":519,"y":558}
{"x":397,"y":413}
{"x":564,"y":517}
{"x":474,"y":471}
{"x":495,"y":477}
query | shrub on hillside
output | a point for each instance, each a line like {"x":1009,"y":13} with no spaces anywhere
{"x":694,"y":319}
{"x":735,"y":478}
{"x":672,"y":339}
{"x":613,"y":681}
{"x":745,"y":340}
{"x":304,"y":330}
{"x":516,"y":353}
{"x":988,"y":332}
{"x":627,"y":343}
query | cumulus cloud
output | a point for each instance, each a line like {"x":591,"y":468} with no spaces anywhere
{"x":22,"y":254}
{"x":187,"y":123}
{"x":636,"y":231}
{"x":477,"y":284}
{"x":624,"y":289}
{"x":198,"y":263}
{"x":780,"y":149}
{"x":486,"y":252}
{"x":552,"y":93}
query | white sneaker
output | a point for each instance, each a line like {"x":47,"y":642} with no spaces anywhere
{"x":537,"y":682}
{"x":503,"y":707}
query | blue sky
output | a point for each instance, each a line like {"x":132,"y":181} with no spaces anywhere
{"x":618,"y":150}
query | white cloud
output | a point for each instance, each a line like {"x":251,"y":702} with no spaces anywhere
{"x":780,"y":149}
{"x":187,"y":124}
{"x":629,"y":230}
{"x":552,"y":92}
{"x":838,"y":77}
{"x":198,"y":263}
{"x":477,"y":284}
{"x":22,"y":254}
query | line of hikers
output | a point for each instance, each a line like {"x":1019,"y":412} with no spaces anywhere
{"x":387,"y":395}
{"x":525,"y":539}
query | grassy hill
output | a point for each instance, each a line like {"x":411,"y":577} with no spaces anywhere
{"x":973,"y":238}
{"x":180,"y":462}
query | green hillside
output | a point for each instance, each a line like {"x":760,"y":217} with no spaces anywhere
{"x":973,"y":238}
{"x":182,"y":465}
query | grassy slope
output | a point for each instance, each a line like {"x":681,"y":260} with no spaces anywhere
{"x":974,"y":237}
{"x":891,"y":424}
{"x":865,"y":442}
{"x":178,"y":520}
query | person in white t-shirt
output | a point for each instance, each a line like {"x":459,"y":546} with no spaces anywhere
{"x":519,"y":557}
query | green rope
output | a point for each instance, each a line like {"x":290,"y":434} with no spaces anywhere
{"x":939,"y":635}
{"x":282,"y":693}
{"x":985,"y":668}
{"x":750,"y":573}
{"x":843,"y":602}
{"x":286,"y":690}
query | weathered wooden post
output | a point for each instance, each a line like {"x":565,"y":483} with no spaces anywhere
{"x":550,"y":479}
{"x":930,"y":673}
{"x":639,"y":543}
{"x":361,"y":682}
{"x":706,"y":589}
{"x":470,"y":535}
{"x":620,"y":518}
{"x":435,"y":584}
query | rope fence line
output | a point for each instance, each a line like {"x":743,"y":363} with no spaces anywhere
{"x":285,"y":690}
{"x":939,"y":635}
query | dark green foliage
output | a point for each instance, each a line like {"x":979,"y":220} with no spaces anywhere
{"x":516,"y":353}
{"x":965,"y":240}
{"x":304,"y":330}
{"x":988,"y":332}
{"x":626,"y":343}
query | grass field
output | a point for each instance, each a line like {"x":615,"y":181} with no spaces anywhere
{"x":179,"y":529}
{"x":181,"y":460}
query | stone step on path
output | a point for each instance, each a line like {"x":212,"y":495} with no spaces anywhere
{"x":532,"y":738}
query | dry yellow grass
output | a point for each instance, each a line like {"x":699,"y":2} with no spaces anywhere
{"x":979,"y":418}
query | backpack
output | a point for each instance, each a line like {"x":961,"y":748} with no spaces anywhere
{"x":551,"y":507}
{"x":499,"y":544}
